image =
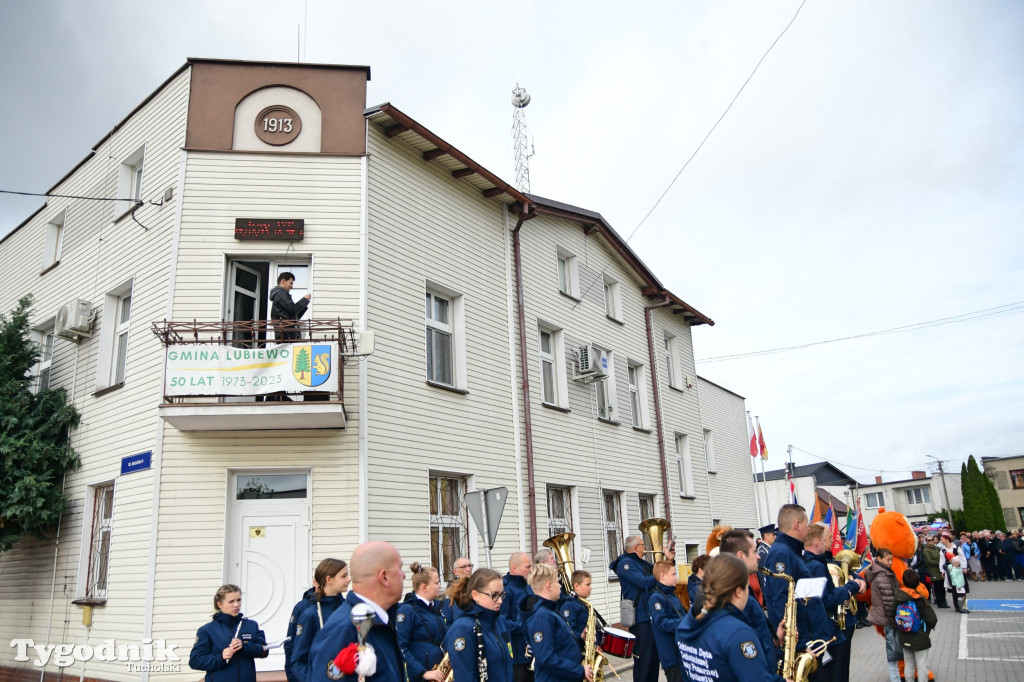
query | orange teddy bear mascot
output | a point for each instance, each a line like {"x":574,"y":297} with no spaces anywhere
{"x":892,"y":531}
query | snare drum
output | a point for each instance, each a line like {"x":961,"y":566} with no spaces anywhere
{"x":618,"y":643}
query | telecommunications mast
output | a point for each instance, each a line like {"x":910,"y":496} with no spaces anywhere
{"x":520,"y":98}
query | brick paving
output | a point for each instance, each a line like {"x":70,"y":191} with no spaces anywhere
{"x":981,"y":646}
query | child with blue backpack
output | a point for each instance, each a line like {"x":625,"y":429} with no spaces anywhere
{"x":915,"y":620}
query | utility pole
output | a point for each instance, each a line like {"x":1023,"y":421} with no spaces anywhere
{"x":945,"y":492}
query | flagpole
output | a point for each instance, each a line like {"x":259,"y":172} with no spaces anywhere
{"x":757,"y":495}
{"x":764,"y":487}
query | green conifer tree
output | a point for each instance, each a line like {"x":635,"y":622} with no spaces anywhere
{"x":34,"y":438}
{"x":972,"y":505}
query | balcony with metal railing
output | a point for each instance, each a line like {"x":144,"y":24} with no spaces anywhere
{"x":255,"y":375}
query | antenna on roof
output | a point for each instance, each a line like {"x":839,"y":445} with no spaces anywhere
{"x":520,"y":98}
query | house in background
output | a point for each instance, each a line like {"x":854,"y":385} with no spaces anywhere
{"x":916,"y":497}
{"x":814,"y":484}
{"x":1007,"y":475}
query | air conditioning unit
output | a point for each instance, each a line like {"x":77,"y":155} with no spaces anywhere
{"x":74,"y":320}
{"x":593,"y":363}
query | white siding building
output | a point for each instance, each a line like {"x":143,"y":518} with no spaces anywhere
{"x":483,"y":303}
{"x":915,"y":498}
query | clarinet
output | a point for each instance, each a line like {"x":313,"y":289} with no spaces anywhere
{"x":481,"y":659}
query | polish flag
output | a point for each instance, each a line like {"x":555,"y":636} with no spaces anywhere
{"x":753,"y":437}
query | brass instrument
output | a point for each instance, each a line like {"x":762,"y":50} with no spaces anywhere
{"x":794,"y":666}
{"x":655,"y":529}
{"x":445,"y":666}
{"x":850,"y":562}
{"x":561,"y":545}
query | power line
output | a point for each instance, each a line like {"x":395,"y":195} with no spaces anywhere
{"x":985,"y":313}
{"x":137,"y":203}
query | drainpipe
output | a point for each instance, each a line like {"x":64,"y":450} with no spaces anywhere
{"x":648,"y":321}
{"x":531,"y":491}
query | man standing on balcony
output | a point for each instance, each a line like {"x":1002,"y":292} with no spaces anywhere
{"x":283,"y":308}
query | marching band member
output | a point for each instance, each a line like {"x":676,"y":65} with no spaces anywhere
{"x":635,"y":583}
{"x":461,"y":570}
{"x":816,"y":553}
{"x":786,"y":556}
{"x":666,"y":613}
{"x":377,"y":580}
{"x":420,"y":627}
{"x":556,"y":650}
{"x":572,"y":609}
{"x":516,"y":590}
{"x":718,"y":643}
{"x":332,"y":579}
{"x":478,"y":641}
{"x":740,"y":543}
{"x":227,"y":646}
{"x":293,"y":622}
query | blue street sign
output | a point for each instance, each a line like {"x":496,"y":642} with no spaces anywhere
{"x":997,"y":605}
{"x":139,"y":462}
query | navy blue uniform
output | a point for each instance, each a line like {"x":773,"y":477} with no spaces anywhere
{"x":574,"y":613}
{"x":421,"y":632}
{"x":289,"y":644}
{"x":758,"y":622}
{"x":516,"y":590}
{"x":215,"y":636}
{"x":556,"y":648}
{"x":666,"y":614}
{"x":461,"y":644}
{"x":338,"y":632}
{"x":786,"y":556}
{"x":721,"y":646}
{"x":307,"y":628}
{"x":693,"y":589}
{"x":636,"y":581}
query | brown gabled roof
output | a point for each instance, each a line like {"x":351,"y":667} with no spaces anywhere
{"x":397,"y":124}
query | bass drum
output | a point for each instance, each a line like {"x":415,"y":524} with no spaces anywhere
{"x":618,"y":642}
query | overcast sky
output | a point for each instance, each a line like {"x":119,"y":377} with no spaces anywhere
{"x":870,"y":176}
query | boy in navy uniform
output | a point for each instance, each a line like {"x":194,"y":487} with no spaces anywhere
{"x":571,"y":608}
{"x":556,"y":650}
{"x":636,"y":580}
{"x":666,"y":613}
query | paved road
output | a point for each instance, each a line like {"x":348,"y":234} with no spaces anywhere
{"x":981,"y":646}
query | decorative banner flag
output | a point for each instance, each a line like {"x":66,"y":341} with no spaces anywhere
{"x":827,"y":520}
{"x":837,"y":540}
{"x":752,"y":435}
{"x":851,"y":528}
{"x":792,"y":488}
{"x":764,"y":448}
{"x":862,"y":531}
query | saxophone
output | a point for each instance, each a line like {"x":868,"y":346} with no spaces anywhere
{"x":591,"y":655}
{"x":794,"y":666}
{"x":445,"y":666}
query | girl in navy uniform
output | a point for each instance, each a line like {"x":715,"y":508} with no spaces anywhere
{"x":333,"y":579}
{"x":666,"y":612}
{"x":718,"y":642}
{"x":421,"y":628}
{"x":480,"y":635}
{"x":227,"y":646}
{"x":556,"y":650}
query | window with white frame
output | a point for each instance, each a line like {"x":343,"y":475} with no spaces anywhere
{"x":606,"y":391}
{"x":613,"y":523}
{"x":638,"y":395}
{"x":675,"y":377}
{"x":647,"y":506}
{"x":691,"y":550}
{"x":709,"y":450}
{"x":684,"y":465}
{"x":98,"y":559}
{"x":440,"y":346}
{"x":129,"y":180}
{"x":44,"y":337}
{"x":918,"y":495}
{"x":873,"y":500}
{"x":568,"y":273}
{"x":448,"y":523}
{"x":551,"y":352}
{"x":612,"y":299}
{"x":53,"y":239}
{"x":559,"y":510}
{"x":113,"y":360}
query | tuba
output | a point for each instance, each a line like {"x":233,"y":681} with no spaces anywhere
{"x":656,"y":529}
{"x":794,"y":666}
{"x":561,"y":545}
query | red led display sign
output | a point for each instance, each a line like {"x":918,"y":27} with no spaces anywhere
{"x":267,"y":228}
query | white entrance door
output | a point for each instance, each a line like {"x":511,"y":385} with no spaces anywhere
{"x":269,"y":552}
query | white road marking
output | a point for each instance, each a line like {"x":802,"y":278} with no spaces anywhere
{"x":997,"y":634}
{"x":983,"y":658}
{"x":963,"y":638}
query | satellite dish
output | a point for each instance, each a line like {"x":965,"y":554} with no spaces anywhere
{"x":520,"y":98}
